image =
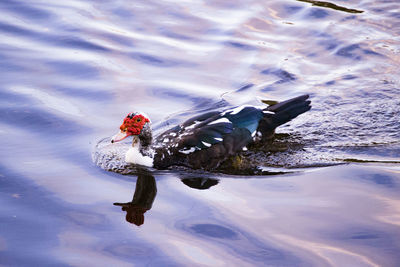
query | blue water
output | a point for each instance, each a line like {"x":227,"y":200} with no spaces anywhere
{"x":70,"y":71}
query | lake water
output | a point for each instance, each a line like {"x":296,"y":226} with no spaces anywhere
{"x":71,"y":70}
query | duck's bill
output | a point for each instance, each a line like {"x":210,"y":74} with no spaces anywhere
{"x":119,"y":136}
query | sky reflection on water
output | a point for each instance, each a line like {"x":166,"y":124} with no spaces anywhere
{"x":71,"y":71}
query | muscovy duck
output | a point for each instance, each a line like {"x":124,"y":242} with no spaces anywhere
{"x":208,"y":140}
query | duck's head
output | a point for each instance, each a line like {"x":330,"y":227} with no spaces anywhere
{"x":134,"y":124}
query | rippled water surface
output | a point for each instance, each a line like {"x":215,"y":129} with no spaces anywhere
{"x":71,"y":70}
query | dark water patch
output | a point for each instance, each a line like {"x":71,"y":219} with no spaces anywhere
{"x":318,"y":13}
{"x":285,"y":76}
{"x":245,"y":87}
{"x":268,"y":88}
{"x":75,"y":42}
{"x":74,"y":69}
{"x":359,"y":234}
{"x":290,"y":9}
{"x":330,"y":83}
{"x":25,"y":10}
{"x":378,"y":10}
{"x":70,"y":29}
{"x":331,"y":6}
{"x":320,"y":34}
{"x":347,"y":18}
{"x":240,"y":45}
{"x":214,"y":230}
{"x":261,"y":251}
{"x":243,"y":244}
{"x":349,"y":51}
{"x":364,"y":235}
{"x":121,"y":12}
{"x":312,"y":55}
{"x":355,"y":51}
{"x":349,"y":77}
{"x":119,"y":39}
{"x":171,"y":93}
{"x":370,"y":52}
{"x":275,"y":85}
{"x":395,"y":15}
{"x":33,"y":119}
{"x":329,"y":44}
{"x":280,"y":73}
{"x":380,"y":179}
{"x":16,"y":30}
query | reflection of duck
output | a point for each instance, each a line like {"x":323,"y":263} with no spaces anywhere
{"x":207,"y":141}
{"x":200,"y":183}
{"x":143,"y":198}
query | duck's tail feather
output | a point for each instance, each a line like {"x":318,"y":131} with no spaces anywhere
{"x":288,"y":110}
{"x":281,"y":106}
{"x":283,"y":112}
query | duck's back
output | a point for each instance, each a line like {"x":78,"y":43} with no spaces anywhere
{"x":208,"y":140}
